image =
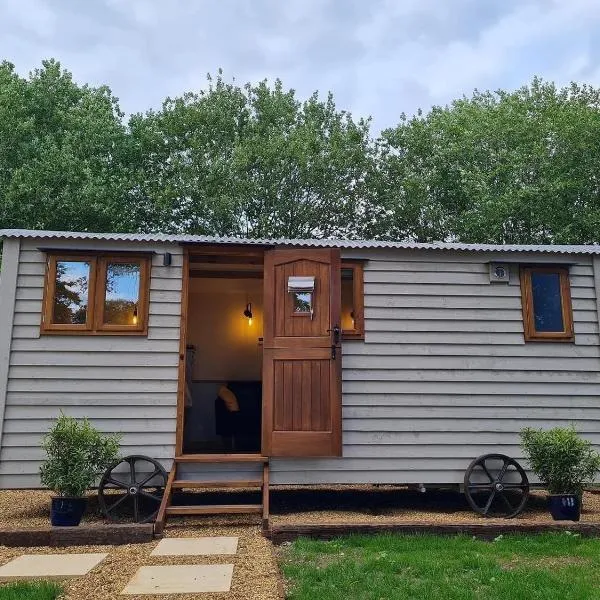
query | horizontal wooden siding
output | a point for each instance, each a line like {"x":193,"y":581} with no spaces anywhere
{"x":124,"y":384}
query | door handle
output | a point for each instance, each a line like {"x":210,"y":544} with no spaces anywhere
{"x":333,"y":351}
{"x":336,"y":334}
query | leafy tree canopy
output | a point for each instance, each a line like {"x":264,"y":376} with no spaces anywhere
{"x":503,"y":167}
{"x":254,"y":160}
{"x":62,"y":153}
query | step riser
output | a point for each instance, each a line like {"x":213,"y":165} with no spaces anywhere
{"x":210,"y":485}
{"x":225,"y":509}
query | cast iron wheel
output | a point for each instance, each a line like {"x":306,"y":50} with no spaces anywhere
{"x":139,"y":482}
{"x":496,"y":486}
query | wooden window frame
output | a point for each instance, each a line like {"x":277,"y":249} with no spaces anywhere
{"x":94,"y":324}
{"x":50,"y":289}
{"x":530,"y":333}
{"x":358,"y":293}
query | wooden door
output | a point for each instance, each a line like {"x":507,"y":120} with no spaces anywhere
{"x":302,"y":357}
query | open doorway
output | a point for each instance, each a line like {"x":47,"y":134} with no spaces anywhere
{"x":224,"y":354}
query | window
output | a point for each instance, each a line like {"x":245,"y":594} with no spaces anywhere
{"x":546,"y":299}
{"x":96,"y":295}
{"x":352,"y":301}
{"x":303,"y":303}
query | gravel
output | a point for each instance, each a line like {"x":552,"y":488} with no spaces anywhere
{"x":256,"y":575}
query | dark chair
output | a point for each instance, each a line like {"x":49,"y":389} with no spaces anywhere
{"x":243,"y":427}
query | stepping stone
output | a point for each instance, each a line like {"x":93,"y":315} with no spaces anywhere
{"x":49,"y":566}
{"x":197,"y":546}
{"x":180,"y":579}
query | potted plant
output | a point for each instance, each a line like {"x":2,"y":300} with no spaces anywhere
{"x":564,"y":463}
{"x":77,"y":454}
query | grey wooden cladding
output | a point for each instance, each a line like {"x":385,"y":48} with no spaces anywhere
{"x":124,"y":384}
{"x":444,"y":374}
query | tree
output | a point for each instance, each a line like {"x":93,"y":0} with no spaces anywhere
{"x":252,"y":161}
{"x":504,"y":167}
{"x":63,"y":154}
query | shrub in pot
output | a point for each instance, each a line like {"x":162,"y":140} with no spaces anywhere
{"x":77,"y":454}
{"x":564,"y":462}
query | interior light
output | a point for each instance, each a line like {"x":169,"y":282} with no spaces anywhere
{"x":248,"y":312}
{"x":135,"y":315}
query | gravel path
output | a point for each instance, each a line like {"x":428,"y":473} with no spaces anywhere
{"x":256,"y":575}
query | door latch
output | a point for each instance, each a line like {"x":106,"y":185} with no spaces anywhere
{"x":333,"y":351}
{"x":336,"y":333}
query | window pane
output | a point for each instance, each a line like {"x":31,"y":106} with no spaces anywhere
{"x":348,"y":299}
{"x":71,"y":292}
{"x":122,"y":294}
{"x":547,"y":305}
{"x":302,"y":302}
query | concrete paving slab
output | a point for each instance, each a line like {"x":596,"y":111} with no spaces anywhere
{"x":50,"y":566}
{"x":180,"y":579}
{"x":196,"y":546}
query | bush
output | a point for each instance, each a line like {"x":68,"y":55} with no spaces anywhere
{"x":563,"y":461}
{"x":77,"y":454}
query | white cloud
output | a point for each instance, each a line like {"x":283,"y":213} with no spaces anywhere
{"x":381,"y":57}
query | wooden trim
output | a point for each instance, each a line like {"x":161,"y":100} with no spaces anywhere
{"x":96,"y":295}
{"x":221,"y":458}
{"x":185,"y":289}
{"x":358,"y":292}
{"x":529,"y":332}
{"x":143,"y":302}
{"x":83,"y":535}
{"x":47,"y":326}
{"x":8,"y":293}
{"x":265,"y":497}
{"x":159,"y":524}
{"x":488,"y":531}
{"x":336,"y":374}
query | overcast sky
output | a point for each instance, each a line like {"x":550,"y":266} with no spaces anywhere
{"x":379,"y":57}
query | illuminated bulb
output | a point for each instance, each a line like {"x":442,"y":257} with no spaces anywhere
{"x":248,"y":313}
{"x":134,"y":320}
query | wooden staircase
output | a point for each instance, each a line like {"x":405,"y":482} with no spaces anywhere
{"x":174,"y":483}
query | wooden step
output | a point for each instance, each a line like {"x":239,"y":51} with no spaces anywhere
{"x":221,"y":458}
{"x":194,"y":484}
{"x":215,"y":509}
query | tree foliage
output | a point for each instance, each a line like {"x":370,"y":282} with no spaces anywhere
{"x":63,"y":147}
{"x":254,"y":160}
{"x":504,"y":167}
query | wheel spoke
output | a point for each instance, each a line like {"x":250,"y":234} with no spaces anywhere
{"x":149,"y":495}
{"x":488,"y":505}
{"x":485,"y":470}
{"x":481,"y":486}
{"x":132,"y":471}
{"x":502,"y":472}
{"x":120,"y":484}
{"x":116,"y":504}
{"x":510,"y":507}
{"x":147,"y":479}
{"x":136,"y":510}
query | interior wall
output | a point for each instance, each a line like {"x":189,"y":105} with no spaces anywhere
{"x":227,"y":347}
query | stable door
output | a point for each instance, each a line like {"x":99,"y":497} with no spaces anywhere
{"x":302,"y":353}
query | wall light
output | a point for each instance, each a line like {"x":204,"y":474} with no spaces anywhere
{"x":134,"y":320}
{"x":248,"y":312}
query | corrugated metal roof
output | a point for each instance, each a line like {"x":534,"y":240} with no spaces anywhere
{"x":327,"y":243}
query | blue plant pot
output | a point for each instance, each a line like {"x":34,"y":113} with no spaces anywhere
{"x":66,"y":511}
{"x":565,"y":507}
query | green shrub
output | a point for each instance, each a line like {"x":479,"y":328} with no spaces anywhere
{"x":563,"y":461}
{"x":77,"y":454}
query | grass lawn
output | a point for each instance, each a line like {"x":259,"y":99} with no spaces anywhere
{"x":43,"y":590}
{"x":393,"y":567}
